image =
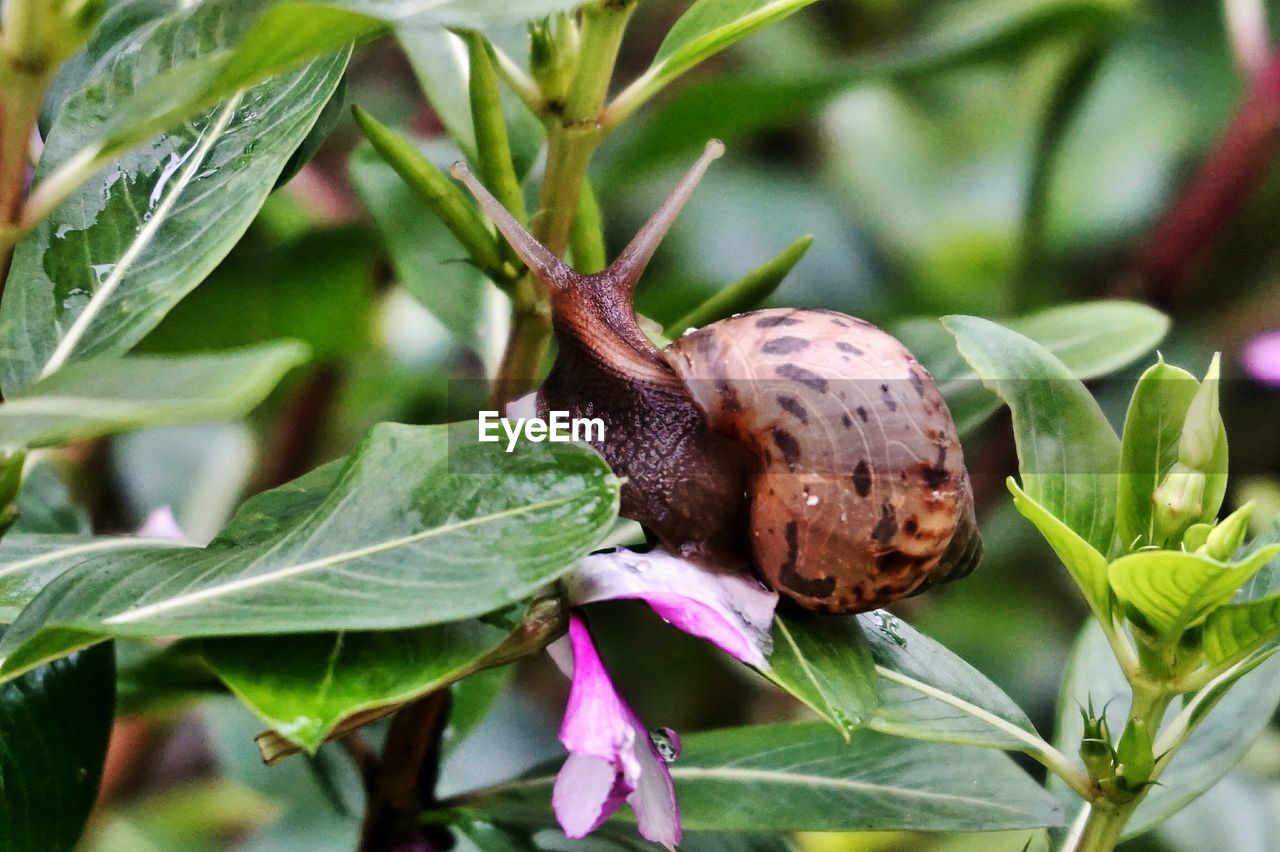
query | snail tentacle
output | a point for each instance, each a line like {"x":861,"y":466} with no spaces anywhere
{"x":553,"y":272}
{"x":627,"y":268}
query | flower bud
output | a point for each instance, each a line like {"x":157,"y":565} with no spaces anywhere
{"x":1225,"y":538}
{"x":1135,"y":758}
{"x":1196,"y":535}
{"x":1202,"y":429}
{"x":553,"y":55}
{"x":1095,"y":745}
{"x":1179,"y":502}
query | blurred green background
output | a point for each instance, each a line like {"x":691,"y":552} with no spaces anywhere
{"x":1028,"y":174}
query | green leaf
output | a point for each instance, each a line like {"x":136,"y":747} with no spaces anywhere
{"x":109,"y":395}
{"x":803,"y":777}
{"x":731,"y":106}
{"x":428,"y":260}
{"x":312,"y":687}
{"x":745,"y":293}
{"x":1091,"y":338}
{"x":1234,"y":630}
{"x":928,"y":693}
{"x":1068,"y":454}
{"x":1086,"y":565}
{"x":30,"y":561}
{"x":45,"y":505}
{"x":422,"y":526}
{"x":1152,"y":430}
{"x":712,"y":25}
{"x":1167,"y":592}
{"x":1211,"y":751}
{"x":707,"y":28}
{"x":95,"y":276}
{"x":54,"y":725}
{"x":825,"y":662}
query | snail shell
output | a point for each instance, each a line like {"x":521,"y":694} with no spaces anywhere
{"x":807,"y":443}
{"x":858,"y":486}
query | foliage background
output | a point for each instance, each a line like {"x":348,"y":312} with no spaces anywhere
{"x":917,"y":190}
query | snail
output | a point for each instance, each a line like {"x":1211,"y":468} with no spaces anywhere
{"x":805,"y":444}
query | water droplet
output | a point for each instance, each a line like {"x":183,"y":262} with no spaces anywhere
{"x":812,"y":501}
{"x":667,"y":742}
{"x":888,"y":625}
{"x":101,"y":271}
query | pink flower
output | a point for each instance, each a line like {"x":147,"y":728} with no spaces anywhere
{"x":1261,"y":357}
{"x":162,"y":524}
{"x":612,"y":756}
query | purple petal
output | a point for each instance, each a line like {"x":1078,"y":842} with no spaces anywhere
{"x":612,"y":758}
{"x":587,"y":792}
{"x":1261,"y":358}
{"x":731,"y":611}
{"x":162,"y":524}
{"x":654,"y":798}
{"x":526,"y":406}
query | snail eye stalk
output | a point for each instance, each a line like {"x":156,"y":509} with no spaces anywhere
{"x":551,"y":270}
{"x":630,"y":265}
{"x":626,"y":270}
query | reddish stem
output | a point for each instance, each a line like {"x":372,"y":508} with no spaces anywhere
{"x":1229,"y":174}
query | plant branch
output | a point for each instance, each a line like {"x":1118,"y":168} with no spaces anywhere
{"x":404,"y":784}
{"x":1225,"y":180}
{"x":24,"y":75}
{"x":572,"y":138}
{"x":1107,"y":815}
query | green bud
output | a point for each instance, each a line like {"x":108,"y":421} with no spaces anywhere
{"x":1095,"y":745}
{"x":1179,"y":502}
{"x":553,"y":55}
{"x":1135,"y":758}
{"x":1202,"y":429}
{"x":1225,"y":538}
{"x":1195,"y":536}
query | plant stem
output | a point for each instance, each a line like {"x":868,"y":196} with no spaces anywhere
{"x":1107,"y":818}
{"x":25,"y":71}
{"x":572,"y":137}
{"x":404,"y":782}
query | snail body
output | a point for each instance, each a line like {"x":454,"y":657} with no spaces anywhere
{"x":806,"y":444}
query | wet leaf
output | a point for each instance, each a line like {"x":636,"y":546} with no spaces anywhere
{"x":422,"y":525}
{"x":825,"y":662}
{"x":123,"y":248}
{"x":929,"y":693}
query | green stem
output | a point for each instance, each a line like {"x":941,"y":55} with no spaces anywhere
{"x":25,"y":71}
{"x":572,"y":138}
{"x":1107,"y":818}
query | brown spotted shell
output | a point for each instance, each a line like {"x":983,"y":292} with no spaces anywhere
{"x":859,"y":495}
